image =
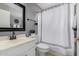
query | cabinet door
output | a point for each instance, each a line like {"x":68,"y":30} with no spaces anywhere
{"x":31,"y":52}
{"x":20,"y":50}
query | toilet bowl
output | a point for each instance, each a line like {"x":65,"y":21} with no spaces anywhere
{"x":42,"y":49}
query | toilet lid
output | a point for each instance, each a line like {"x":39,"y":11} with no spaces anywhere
{"x":43,"y":46}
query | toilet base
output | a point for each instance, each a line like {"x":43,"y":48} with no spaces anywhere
{"x":42,"y":49}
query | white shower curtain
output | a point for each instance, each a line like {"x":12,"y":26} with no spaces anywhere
{"x":55,"y":26}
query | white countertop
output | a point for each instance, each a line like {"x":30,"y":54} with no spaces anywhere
{"x":5,"y":43}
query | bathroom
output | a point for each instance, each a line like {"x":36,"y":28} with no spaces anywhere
{"x":38,"y":29}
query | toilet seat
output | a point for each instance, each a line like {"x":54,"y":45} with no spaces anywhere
{"x":42,"y":47}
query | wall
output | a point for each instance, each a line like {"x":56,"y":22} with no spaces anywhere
{"x":31,"y":11}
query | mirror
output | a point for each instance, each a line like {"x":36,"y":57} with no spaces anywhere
{"x":12,"y":17}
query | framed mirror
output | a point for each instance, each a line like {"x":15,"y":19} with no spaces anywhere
{"x":12,"y":17}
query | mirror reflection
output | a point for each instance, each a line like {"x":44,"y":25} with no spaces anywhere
{"x":11,"y":16}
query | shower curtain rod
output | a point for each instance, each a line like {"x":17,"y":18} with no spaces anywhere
{"x":52,"y":7}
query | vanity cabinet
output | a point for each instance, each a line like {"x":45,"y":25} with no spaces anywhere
{"x":24,"y":49}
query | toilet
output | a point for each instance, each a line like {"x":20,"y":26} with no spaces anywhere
{"x":42,"y":49}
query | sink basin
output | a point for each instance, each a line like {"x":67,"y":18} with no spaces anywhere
{"x":5,"y":43}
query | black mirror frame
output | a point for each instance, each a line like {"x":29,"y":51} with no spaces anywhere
{"x":16,"y":29}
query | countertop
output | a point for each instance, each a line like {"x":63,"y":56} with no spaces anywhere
{"x":5,"y":43}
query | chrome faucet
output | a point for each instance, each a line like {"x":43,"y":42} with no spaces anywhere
{"x":13,"y":36}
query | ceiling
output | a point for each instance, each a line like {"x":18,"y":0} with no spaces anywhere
{"x":46,"y":5}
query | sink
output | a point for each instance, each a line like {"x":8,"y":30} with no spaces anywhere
{"x":3,"y":37}
{"x":5,"y":43}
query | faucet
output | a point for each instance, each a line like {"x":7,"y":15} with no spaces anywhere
{"x":13,"y":36}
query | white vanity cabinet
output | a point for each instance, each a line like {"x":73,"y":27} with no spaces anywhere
{"x":23,"y":48}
